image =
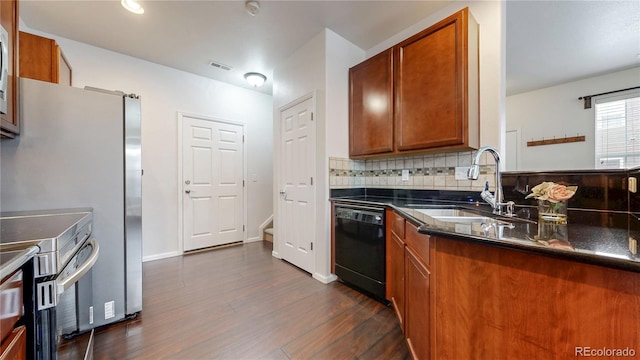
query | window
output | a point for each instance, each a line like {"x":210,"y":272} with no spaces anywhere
{"x":618,"y":132}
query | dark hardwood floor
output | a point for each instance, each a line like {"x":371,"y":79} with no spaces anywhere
{"x":241,"y":303}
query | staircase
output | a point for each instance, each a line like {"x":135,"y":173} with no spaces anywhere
{"x":267,"y":235}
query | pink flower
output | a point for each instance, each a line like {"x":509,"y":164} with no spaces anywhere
{"x":557,"y":193}
{"x":553,"y":192}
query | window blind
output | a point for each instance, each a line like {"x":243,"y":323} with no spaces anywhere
{"x":618,"y":132}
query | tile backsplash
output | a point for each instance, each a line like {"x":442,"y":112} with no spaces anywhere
{"x":428,"y":172}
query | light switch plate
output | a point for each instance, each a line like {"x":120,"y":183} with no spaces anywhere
{"x":633,"y":184}
{"x":461,"y":172}
{"x":405,"y":175}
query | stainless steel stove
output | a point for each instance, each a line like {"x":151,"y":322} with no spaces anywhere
{"x":61,"y":272}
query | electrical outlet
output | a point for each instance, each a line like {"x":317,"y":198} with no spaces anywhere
{"x":108,"y":310}
{"x":254,"y":177}
{"x":461,"y":172}
{"x":405,"y":175}
{"x":90,"y":315}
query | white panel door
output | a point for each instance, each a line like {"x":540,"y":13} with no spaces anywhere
{"x":297,"y":200}
{"x":213,"y":171}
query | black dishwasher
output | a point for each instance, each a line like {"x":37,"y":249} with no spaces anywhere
{"x":360,"y":248}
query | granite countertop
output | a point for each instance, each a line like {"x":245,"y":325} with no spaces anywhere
{"x":582,"y":240}
{"x":13,"y":260}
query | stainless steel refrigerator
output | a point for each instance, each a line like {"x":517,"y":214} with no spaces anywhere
{"x":82,"y":148}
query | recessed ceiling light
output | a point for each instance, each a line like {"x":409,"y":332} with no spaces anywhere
{"x":132,"y":6}
{"x":255,"y":79}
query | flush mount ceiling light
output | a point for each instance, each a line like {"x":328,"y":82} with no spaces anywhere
{"x":255,"y":79}
{"x":132,"y":6}
{"x":252,"y":7}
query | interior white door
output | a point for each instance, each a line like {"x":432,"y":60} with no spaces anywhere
{"x":297,"y":201}
{"x":213,"y":172}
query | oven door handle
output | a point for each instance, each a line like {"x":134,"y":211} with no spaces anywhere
{"x":80,"y":271}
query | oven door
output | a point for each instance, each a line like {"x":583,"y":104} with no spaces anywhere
{"x":65,"y":306}
{"x":75,"y":288}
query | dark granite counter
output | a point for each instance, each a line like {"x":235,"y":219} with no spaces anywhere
{"x":595,"y":237}
{"x":11,"y":261}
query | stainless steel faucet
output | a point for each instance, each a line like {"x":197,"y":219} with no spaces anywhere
{"x":496,"y":199}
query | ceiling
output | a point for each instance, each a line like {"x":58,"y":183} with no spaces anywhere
{"x":553,"y":42}
{"x":187,"y":35}
{"x":548,"y":42}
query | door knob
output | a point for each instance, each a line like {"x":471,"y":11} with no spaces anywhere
{"x":187,"y":191}
{"x":283,"y":193}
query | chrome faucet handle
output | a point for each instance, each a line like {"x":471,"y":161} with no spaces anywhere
{"x":510,"y":205}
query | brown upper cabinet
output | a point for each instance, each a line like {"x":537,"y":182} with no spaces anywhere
{"x":423,"y":96}
{"x":42,"y":59}
{"x":371,"y":106}
{"x":9,"y":126}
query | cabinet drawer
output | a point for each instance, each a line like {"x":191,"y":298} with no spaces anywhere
{"x":11,"y":300}
{"x":419,"y":243}
{"x":397,"y":225}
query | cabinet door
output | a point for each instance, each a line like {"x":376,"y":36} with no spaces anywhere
{"x":430,"y":86}
{"x":371,"y":106}
{"x":15,"y":346}
{"x":9,"y":20}
{"x":418,"y":301}
{"x":396,"y":274}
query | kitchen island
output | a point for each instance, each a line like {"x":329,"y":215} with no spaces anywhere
{"x":496,"y":291}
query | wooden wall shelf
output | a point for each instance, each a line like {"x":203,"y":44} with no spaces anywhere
{"x":563,"y":140}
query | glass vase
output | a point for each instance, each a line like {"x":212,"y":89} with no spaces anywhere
{"x":552,"y":212}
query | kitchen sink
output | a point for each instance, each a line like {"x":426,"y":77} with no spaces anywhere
{"x":456,"y":215}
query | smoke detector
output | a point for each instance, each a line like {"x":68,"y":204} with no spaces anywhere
{"x":252,"y":7}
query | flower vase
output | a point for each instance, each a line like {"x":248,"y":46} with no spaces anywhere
{"x":552,"y":212}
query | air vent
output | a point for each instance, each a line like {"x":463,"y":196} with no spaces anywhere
{"x":220,"y":65}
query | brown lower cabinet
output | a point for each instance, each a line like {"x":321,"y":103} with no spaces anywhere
{"x":395,"y":264}
{"x":417,"y":308}
{"x":459,"y":299}
{"x":409,"y":283}
{"x":15,"y":346}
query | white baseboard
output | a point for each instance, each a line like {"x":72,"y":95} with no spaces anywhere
{"x":160,"y":256}
{"x":254,"y":239}
{"x":325,"y":279}
{"x":275,"y":254}
{"x":264,"y":226}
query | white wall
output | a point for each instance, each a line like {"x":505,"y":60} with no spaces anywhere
{"x":299,"y":75}
{"x":164,"y":92}
{"x":321,"y":67}
{"x":340,"y":55}
{"x":491,"y":17}
{"x":556,"y":112}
